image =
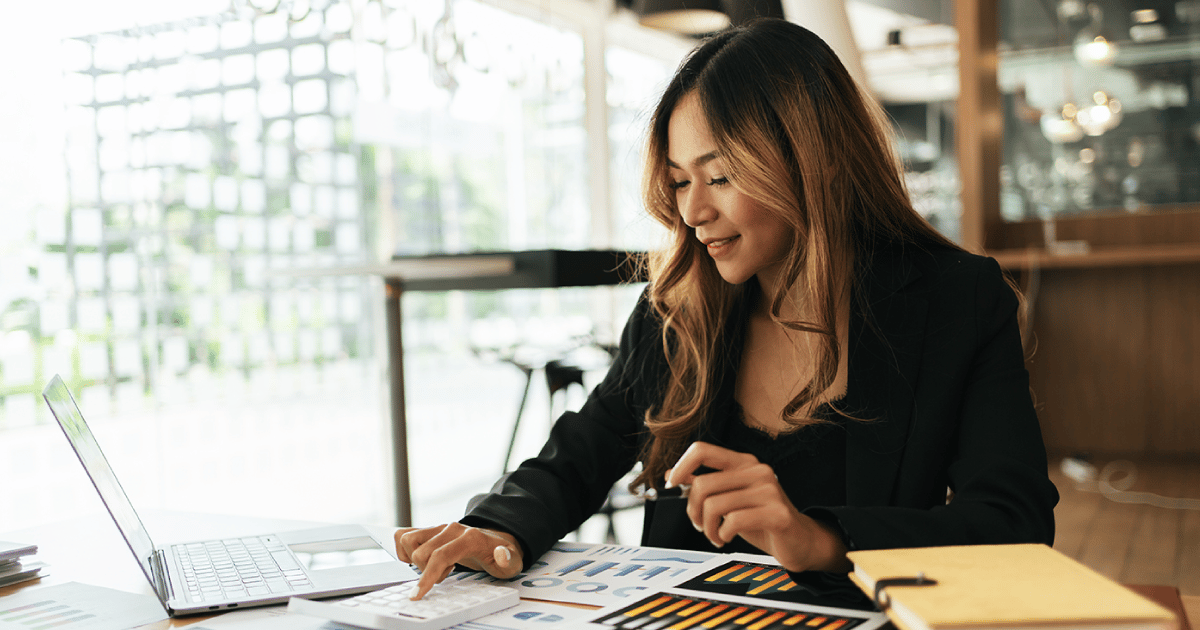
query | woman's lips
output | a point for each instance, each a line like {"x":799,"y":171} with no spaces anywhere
{"x":717,"y":245}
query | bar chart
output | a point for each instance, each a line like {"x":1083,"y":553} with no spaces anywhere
{"x":672,"y":611}
{"x":75,"y":605}
{"x":601,"y":575}
{"x":750,"y":579}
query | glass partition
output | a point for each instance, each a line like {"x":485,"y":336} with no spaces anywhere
{"x":1101,"y":109}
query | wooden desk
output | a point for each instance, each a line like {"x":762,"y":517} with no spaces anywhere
{"x":90,"y":550}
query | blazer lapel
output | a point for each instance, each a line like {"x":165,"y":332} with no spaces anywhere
{"x":884,"y":361}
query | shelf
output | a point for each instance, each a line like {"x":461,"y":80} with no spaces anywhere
{"x":1113,"y":256}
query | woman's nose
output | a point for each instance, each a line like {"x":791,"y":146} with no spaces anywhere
{"x":696,"y":208}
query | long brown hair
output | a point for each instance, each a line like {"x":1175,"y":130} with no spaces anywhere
{"x":799,"y":137}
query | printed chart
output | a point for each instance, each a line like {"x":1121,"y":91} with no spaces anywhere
{"x":677,"y":611}
{"x":601,"y":575}
{"x":751,"y":579}
{"x":47,"y":613}
{"x":759,"y":577}
{"x":75,"y":606}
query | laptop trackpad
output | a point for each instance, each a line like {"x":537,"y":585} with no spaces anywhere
{"x":327,"y":555}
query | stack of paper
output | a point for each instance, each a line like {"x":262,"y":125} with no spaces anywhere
{"x":15,"y":564}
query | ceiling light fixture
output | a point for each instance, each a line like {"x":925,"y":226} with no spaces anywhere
{"x":1092,"y":48}
{"x":688,"y":17}
{"x":1061,"y":127}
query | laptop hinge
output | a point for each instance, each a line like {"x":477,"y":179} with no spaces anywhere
{"x":162,"y":582}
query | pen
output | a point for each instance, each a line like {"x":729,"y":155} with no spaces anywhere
{"x":678,"y":492}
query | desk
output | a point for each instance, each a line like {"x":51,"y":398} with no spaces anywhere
{"x":89,"y":550}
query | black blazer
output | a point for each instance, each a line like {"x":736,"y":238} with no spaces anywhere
{"x":937,"y":371}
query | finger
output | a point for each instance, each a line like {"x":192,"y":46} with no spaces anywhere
{"x":427,"y":581}
{"x":750,"y":474}
{"x":707,"y":455}
{"x":503,"y":557}
{"x":401,"y":550}
{"x":504,"y":561}
{"x":410,"y":540}
{"x":430,"y":542}
{"x":459,"y":544}
{"x":714,"y":497}
{"x":754,"y":509}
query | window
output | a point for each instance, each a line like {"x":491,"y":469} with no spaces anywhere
{"x":160,"y":263}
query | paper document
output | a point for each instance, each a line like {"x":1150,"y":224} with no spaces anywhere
{"x":524,"y":616}
{"x":75,"y":606}
{"x":600,"y":575}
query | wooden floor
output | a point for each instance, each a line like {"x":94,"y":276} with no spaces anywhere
{"x":1134,"y":543}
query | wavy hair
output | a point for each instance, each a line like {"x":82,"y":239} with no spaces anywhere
{"x":799,"y":137}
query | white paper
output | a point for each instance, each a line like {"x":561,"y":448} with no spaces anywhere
{"x":600,"y":575}
{"x":76,"y":606}
{"x":527,"y":615}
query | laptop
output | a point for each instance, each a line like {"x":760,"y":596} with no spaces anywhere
{"x":212,"y":575}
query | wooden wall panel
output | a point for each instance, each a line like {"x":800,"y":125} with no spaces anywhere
{"x":1089,"y":367}
{"x":1173,"y":370}
{"x":1117,"y":365}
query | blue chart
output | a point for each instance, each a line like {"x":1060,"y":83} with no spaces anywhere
{"x":601,"y":574}
{"x":593,"y":568}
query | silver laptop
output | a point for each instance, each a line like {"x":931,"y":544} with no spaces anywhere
{"x":213,"y":575}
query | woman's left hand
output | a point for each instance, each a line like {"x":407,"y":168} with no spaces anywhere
{"x":742,"y":497}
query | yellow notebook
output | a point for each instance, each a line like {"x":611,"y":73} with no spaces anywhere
{"x":1006,"y":587}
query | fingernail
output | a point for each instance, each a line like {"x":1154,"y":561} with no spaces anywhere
{"x":698,"y":528}
{"x":502,"y":555}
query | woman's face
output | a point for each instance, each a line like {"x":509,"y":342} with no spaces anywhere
{"x":742,"y":237}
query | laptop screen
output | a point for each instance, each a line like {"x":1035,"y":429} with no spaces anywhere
{"x":62,"y":404}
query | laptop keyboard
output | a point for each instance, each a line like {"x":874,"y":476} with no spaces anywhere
{"x":238,"y":568}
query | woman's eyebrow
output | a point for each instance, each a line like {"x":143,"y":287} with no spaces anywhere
{"x":700,"y":161}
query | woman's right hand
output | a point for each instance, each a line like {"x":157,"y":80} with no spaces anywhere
{"x":435,"y":551}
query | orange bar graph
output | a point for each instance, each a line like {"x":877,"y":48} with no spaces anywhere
{"x":762,"y":576}
{"x":726,"y":617}
{"x":768,"y":620}
{"x":750,"y":616}
{"x":769,"y":585}
{"x":665,"y":610}
{"x":817,"y":621}
{"x":717,"y":576}
{"x":644,"y":607}
{"x":794,"y":619}
{"x":687,"y":623}
{"x":745,"y":574}
{"x":836,"y":624}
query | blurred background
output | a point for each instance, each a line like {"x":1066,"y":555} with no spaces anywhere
{"x":168,"y":166}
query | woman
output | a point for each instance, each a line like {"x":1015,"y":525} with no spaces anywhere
{"x":818,"y":364}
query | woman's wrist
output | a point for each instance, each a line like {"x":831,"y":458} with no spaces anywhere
{"x":830,"y":549}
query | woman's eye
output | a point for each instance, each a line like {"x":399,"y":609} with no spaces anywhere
{"x":718,"y":181}
{"x":678,"y":185}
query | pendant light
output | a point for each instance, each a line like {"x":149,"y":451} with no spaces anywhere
{"x":688,"y":17}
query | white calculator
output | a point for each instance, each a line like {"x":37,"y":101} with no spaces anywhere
{"x":443,"y":606}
